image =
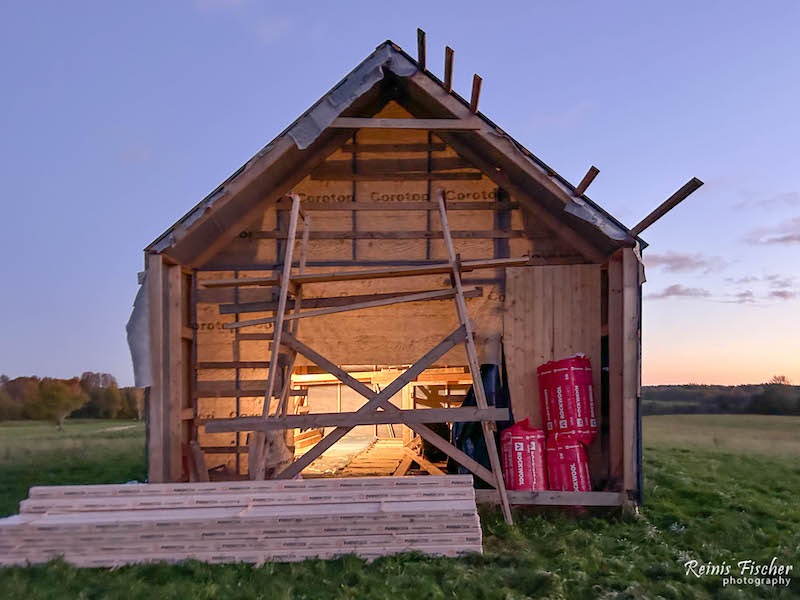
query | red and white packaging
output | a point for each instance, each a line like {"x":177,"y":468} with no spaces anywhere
{"x":567,"y":398}
{"x":567,"y":467}
{"x":522,"y":449}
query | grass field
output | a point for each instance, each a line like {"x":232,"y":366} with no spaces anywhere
{"x":717,"y":488}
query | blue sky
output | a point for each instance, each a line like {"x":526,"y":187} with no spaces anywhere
{"x":116,"y":118}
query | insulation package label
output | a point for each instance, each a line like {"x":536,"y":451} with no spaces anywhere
{"x":567,"y":398}
{"x":522,"y":449}
{"x":567,"y":467}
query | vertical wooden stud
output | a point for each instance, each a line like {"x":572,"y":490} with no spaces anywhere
{"x":421,"y":49}
{"x":448,"y":69}
{"x":476,"y":93}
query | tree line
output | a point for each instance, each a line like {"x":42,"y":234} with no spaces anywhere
{"x":92,"y":395}
{"x":776,"y":397}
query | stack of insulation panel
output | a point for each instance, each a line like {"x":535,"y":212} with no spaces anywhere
{"x":249,"y":521}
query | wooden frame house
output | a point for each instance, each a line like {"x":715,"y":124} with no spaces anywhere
{"x":390,"y":172}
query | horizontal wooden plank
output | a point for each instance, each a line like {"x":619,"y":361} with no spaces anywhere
{"x":429,"y":415}
{"x":423,"y":296}
{"x":390,"y":165}
{"x":245,"y":307}
{"x":388,"y":148}
{"x":389,"y":272}
{"x":228,"y":389}
{"x":400,"y":176}
{"x":424,"y":124}
{"x":295,"y":497}
{"x":488,"y":234}
{"x":218,"y":487}
{"x":401,"y":205}
{"x":553,"y":498}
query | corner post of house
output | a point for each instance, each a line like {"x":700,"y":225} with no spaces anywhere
{"x":169,"y":354}
{"x":625,"y":367}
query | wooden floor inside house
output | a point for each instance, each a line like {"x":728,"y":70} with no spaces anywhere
{"x":383,"y":457}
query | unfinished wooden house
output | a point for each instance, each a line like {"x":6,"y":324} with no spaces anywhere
{"x":422,"y":240}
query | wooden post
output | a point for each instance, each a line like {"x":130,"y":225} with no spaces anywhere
{"x":175,"y":372}
{"x":257,"y":441}
{"x":156,"y":450}
{"x":298,"y":300}
{"x":624,"y":365}
{"x":474,"y":365}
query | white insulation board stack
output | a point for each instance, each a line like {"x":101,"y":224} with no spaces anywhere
{"x":247,"y":521}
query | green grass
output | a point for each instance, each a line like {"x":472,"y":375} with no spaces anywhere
{"x":705,"y":500}
{"x":87,"y":451}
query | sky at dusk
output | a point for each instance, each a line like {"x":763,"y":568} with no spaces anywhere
{"x":116,"y":118}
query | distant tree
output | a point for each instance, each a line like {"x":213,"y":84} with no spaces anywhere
{"x":105,"y":400}
{"x":779,"y":380}
{"x":10,"y":408}
{"x":776,"y":399}
{"x":56,"y":399}
{"x":132,"y":403}
{"x":109,"y":402}
{"x":23,"y":389}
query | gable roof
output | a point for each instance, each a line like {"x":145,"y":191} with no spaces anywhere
{"x":305,"y":143}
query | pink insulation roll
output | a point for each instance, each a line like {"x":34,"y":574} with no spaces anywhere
{"x":567,"y":467}
{"x":567,"y":398}
{"x":522,"y":449}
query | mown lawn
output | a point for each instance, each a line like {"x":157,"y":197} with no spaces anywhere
{"x":712,"y":501}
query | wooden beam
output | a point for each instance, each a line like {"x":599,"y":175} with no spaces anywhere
{"x":388,"y":165}
{"x":448,"y":69}
{"x":587,"y":180}
{"x":283,"y":404}
{"x":476,"y":94}
{"x":424,"y":124}
{"x":390,"y":148}
{"x":632,"y":368}
{"x":245,"y":307}
{"x":175,"y":372}
{"x":421,"y":49}
{"x":489,"y":234}
{"x":667,"y":205}
{"x":554,"y":498}
{"x":423,"y":462}
{"x":399,"y":176}
{"x":352,"y":419}
{"x":387,"y":273}
{"x":383,"y":206}
{"x":433,"y":295}
{"x":402,"y":468}
{"x":221,"y":388}
{"x":258,"y":456}
{"x":157,"y":398}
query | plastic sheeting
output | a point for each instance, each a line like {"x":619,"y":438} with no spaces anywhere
{"x":138,"y":331}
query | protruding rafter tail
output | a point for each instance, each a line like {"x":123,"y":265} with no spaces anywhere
{"x":688,"y":189}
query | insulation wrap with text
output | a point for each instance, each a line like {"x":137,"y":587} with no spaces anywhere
{"x":523,"y":455}
{"x":568,"y":409}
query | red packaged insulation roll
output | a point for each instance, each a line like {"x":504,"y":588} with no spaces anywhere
{"x":567,"y":467}
{"x":522,"y":449}
{"x":567,"y":398}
